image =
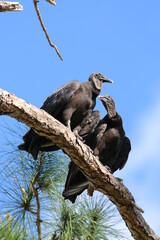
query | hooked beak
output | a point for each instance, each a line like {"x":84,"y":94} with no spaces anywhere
{"x":104,"y":98}
{"x":104,"y":79}
{"x":100,"y":97}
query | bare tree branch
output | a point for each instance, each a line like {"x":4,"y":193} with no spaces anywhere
{"x":43,"y":27}
{"x":51,"y":2}
{"x":10,"y":6}
{"x":103,"y":180}
{"x":15,"y":6}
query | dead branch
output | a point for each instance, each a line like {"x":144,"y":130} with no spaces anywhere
{"x":101,"y":178}
{"x":43,"y":27}
{"x":10,"y":6}
{"x":51,"y":2}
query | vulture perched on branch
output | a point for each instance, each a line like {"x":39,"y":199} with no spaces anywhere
{"x":108,"y":142}
{"x":70,"y":104}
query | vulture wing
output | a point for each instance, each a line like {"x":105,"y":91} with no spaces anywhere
{"x":55,"y":103}
{"x":76,"y":183}
{"x":123,"y":155}
{"x":89,"y":123}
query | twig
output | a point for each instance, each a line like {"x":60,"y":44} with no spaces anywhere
{"x":10,"y":6}
{"x":65,"y":220}
{"x":31,"y":211}
{"x":39,"y":168}
{"x":51,"y":2}
{"x":38,"y":222}
{"x":44,"y":29}
{"x":35,"y":192}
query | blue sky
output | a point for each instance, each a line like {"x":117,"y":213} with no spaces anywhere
{"x":118,"y":38}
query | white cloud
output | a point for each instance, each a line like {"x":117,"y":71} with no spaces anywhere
{"x":147,"y":146}
{"x":141,"y":173}
{"x":145,"y":139}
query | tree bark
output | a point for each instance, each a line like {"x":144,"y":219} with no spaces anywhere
{"x":80,"y":154}
{"x":10,"y":6}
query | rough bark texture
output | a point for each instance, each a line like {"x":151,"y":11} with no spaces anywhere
{"x":80,"y":154}
{"x":10,"y":6}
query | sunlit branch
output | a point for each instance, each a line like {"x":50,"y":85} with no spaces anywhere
{"x":10,"y":6}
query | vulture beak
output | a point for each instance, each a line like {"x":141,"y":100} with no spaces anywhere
{"x":104,"y":98}
{"x":104,"y":79}
{"x":100,"y":97}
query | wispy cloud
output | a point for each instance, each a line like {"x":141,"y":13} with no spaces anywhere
{"x":141,"y":174}
{"x":146,"y":138}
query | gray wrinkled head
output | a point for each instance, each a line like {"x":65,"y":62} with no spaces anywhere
{"x":98,"y":79}
{"x":109,"y":105}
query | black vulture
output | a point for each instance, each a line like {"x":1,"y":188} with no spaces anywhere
{"x":108,"y":142}
{"x":69,"y":104}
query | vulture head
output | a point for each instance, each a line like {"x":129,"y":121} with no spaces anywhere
{"x":109,"y":105}
{"x":97,"y":79}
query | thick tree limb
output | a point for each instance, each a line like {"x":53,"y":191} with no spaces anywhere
{"x":10,"y":6}
{"x":80,"y":154}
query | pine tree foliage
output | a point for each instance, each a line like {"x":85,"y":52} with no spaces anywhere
{"x":31,"y":202}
